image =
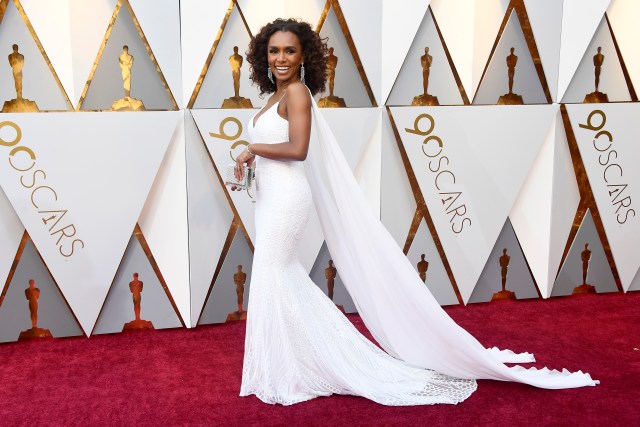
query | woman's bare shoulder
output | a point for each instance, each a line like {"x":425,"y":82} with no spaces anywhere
{"x":298,"y":95}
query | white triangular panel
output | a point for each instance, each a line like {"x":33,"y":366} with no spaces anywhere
{"x":259,"y":12}
{"x":531,"y":213}
{"x":164,"y":221}
{"x":38,"y":82}
{"x":545,"y":17}
{"x":611,"y":165}
{"x":367,"y":171}
{"x":456,"y":21}
{"x":397,"y":202}
{"x":397,"y":39}
{"x":155,"y":305}
{"x":580,"y":20}
{"x":566,"y":198}
{"x":209,"y":217}
{"x":307,"y":10}
{"x":352,"y":140}
{"x":441,"y":81}
{"x":217,"y":84}
{"x":489,"y":14}
{"x":89,"y":23}
{"x":225,"y":135}
{"x":545,"y":208}
{"x":11,"y":231}
{"x":160,"y":23}
{"x":635,"y":285}
{"x":348,"y":82}
{"x":624,"y":16}
{"x":525,"y":81}
{"x":84,"y":210}
{"x":437,"y":280}
{"x":146,"y":82}
{"x":479,"y":170}
{"x":51,"y":22}
{"x":360,"y":16}
{"x":200,"y":23}
{"x":612,"y":81}
{"x":598,"y":271}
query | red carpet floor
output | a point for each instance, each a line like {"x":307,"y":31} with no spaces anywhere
{"x":192,"y":377}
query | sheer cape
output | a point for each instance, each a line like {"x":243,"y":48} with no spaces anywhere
{"x":394,"y":304}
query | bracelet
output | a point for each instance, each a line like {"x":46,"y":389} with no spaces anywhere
{"x":249,"y":150}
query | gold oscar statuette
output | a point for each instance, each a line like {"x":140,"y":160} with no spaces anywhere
{"x":236,"y":101}
{"x":425,"y":98}
{"x":240,"y":278}
{"x":136,"y":324}
{"x":504,"y":294}
{"x":585,"y":288}
{"x":511,"y":98}
{"x":33,"y":295}
{"x":331,"y":101}
{"x":330,"y":274}
{"x":597,"y":96}
{"x":127,"y":103}
{"x":423,"y":266}
{"x":19,"y":104}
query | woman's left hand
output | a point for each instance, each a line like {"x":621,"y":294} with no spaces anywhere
{"x":244,"y":157}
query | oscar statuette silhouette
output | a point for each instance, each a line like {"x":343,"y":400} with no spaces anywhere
{"x":236,"y":101}
{"x":19,"y":104}
{"x":504,"y":294}
{"x":511,"y":98}
{"x":425,"y":98}
{"x":597,"y":96}
{"x":240,"y":278}
{"x":423,"y":266}
{"x":127,"y":103}
{"x":33,"y":295}
{"x":330,"y":274}
{"x":331,"y":101}
{"x":585,"y":288}
{"x":136,"y":324}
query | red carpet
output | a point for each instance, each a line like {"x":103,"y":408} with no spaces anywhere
{"x":192,"y":377}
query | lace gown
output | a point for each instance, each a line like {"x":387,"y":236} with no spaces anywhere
{"x":298,"y":344}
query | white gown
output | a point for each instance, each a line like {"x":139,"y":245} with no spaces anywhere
{"x":299,"y":346}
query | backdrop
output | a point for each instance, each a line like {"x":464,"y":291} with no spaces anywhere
{"x":496,"y":140}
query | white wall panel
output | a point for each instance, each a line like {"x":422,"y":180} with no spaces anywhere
{"x":545,"y":17}
{"x":160,"y":23}
{"x":164,"y":220}
{"x":580,"y":20}
{"x":441,"y":84}
{"x":607,"y":136}
{"x":624,"y":16}
{"x":200,"y":23}
{"x":485,"y":172}
{"x":90,"y":179}
{"x":397,"y":39}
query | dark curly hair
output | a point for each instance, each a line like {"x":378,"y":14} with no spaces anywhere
{"x":314,"y":50}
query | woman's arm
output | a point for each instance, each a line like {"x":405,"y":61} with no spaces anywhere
{"x":298,"y":113}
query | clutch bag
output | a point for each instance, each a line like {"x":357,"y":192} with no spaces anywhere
{"x":247,"y":179}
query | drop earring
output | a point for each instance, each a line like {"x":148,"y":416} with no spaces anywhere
{"x":302,"y":73}
{"x":270,"y":74}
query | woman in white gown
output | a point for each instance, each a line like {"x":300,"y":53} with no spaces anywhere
{"x":298,"y":344}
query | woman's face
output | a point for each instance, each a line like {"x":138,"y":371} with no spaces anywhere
{"x":284,"y":55}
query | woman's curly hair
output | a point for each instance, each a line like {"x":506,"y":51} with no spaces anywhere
{"x":314,"y":50}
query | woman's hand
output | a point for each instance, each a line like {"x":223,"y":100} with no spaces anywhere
{"x":241,"y":159}
{"x":244,"y":157}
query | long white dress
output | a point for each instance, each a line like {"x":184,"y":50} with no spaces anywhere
{"x":299,"y":346}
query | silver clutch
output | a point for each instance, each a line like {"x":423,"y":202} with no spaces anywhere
{"x":247,"y":179}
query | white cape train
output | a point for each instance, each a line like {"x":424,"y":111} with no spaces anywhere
{"x":394,"y":304}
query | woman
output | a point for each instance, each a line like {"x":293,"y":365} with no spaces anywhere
{"x":298,"y":344}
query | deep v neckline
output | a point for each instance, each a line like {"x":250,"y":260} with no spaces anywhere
{"x":261,"y":113}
